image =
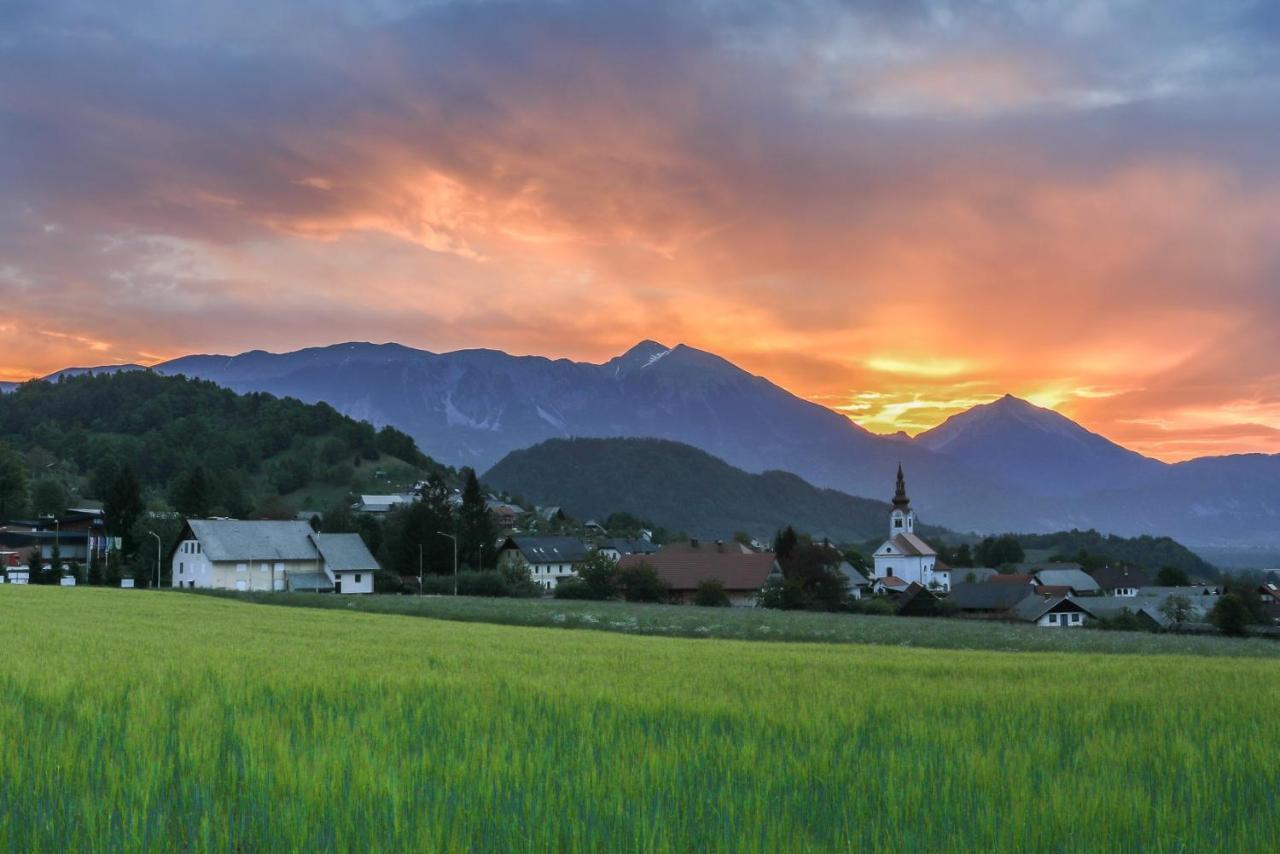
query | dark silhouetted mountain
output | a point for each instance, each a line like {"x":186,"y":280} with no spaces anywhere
{"x":1037,"y":449}
{"x":682,"y":488}
{"x":1006,"y":466}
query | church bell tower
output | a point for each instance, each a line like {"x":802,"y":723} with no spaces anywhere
{"x":902,"y":519}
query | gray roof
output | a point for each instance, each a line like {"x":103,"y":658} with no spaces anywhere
{"x":856,"y":579}
{"x":980,"y":573}
{"x":1112,"y":577}
{"x":1113,"y":606}
{"x":548,"y":549}
{"x":231,"y":539}
{"x":1077,"y":579}
{"x":980,"y":596}
{"x":345,"y":552}
{"x":630,"y":547}
{"x":1035,"y":606}
{"x":310,"y":581}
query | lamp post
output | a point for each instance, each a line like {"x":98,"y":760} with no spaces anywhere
{"x":455,"y":559}
{"x":157,"y":536}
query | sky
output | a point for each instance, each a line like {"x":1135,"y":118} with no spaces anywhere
{"x":897,"y":209}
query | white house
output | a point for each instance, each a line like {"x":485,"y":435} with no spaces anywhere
{"x":547,"y":559}
{"x":904,"y":555}
{"x":228,"y":554}
{"x":1053,"y":612}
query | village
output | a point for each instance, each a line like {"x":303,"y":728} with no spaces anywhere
{"x":905,"y":576}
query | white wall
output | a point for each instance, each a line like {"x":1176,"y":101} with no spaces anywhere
{"x":356,"y":582}
{"x":1073,"y":620}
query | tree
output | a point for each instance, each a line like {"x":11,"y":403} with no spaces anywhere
{"x":1000,"y":551}
{"x":1230,"y":615}
{"x":710,"y":594}
{"x":122,"y":506}
{"x":55,"y":562}
{"x":641,"y":583}
{"x":35,"y":567}
{"x":97,"y":575}
{"x":48,"y":498}
{"x":476,"y":532}
{"x":785,"y":543}
{"x":1177,"y":609}
{"x":823,"y":587}
{"x":1172,"y":576}
{"x":13,"y":483}
{"x":964,"y":556}
{"x":193,"y":494}
{"x":600,"y":576}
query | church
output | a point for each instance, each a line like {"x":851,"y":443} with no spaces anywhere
{"x":904,"y":555}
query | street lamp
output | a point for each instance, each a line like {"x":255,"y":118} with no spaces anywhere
{"x":157,"y":536}
{"x":455,"y":559}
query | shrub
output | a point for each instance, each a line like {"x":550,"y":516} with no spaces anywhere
{"x":641,"y":583}
{"x":486,"y":583}
{"x":1230,"y":615}
{"x":574,"y":588}
{"x":875,"y":605}
{"x":710,"y":594}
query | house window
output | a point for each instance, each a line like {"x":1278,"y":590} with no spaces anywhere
{"x":179,"y":569}
{"x":1053,"y":618}
{"x":357,"y":578}
{"x":242,"y":567}
{"x":1075,"y":618}
{"x":897,"y":523}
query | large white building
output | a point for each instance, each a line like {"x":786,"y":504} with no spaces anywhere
{"x":904,"y":555}
{"x":228,"y":554}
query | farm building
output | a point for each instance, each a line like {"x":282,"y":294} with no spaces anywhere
{"x":1052,"y":612}
{"x":904,"y":555}
{"x":987,"y":598}
{"x":227,"y":554}
{"x":1121,"y":580}
{"x":547,"y":559}
{"x":742,"y":571}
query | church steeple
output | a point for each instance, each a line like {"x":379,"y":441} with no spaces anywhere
{"x":900,"y":499}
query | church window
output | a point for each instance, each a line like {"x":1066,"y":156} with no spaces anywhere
{"x":897,"y":523}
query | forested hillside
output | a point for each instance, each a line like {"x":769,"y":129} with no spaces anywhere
{"x":1091,"y":548}
{"x":188,"y":442}
{"x":682,"y":489}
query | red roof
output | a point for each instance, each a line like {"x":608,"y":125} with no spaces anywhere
{"x":684,"y":568}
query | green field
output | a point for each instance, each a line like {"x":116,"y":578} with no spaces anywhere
{"x":767,"y":625}
{"x":134,"y":720}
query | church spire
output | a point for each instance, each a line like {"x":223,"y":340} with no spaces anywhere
{"x":900,"y":499}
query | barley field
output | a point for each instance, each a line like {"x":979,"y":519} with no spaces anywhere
{"x":134,"y":720}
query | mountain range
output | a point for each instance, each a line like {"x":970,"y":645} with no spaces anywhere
{"x":1003,"y":466}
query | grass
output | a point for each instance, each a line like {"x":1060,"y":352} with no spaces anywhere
{"x":761,"y":624}
{"x":143,"y":721}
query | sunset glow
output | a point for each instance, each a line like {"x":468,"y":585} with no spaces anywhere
{"x":896,"y":211}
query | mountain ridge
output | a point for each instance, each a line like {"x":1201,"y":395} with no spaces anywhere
{"x":1007,"y":465}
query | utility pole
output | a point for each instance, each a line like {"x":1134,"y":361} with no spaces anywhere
{"x":157,"y":536}
{"x":455,"y":559}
